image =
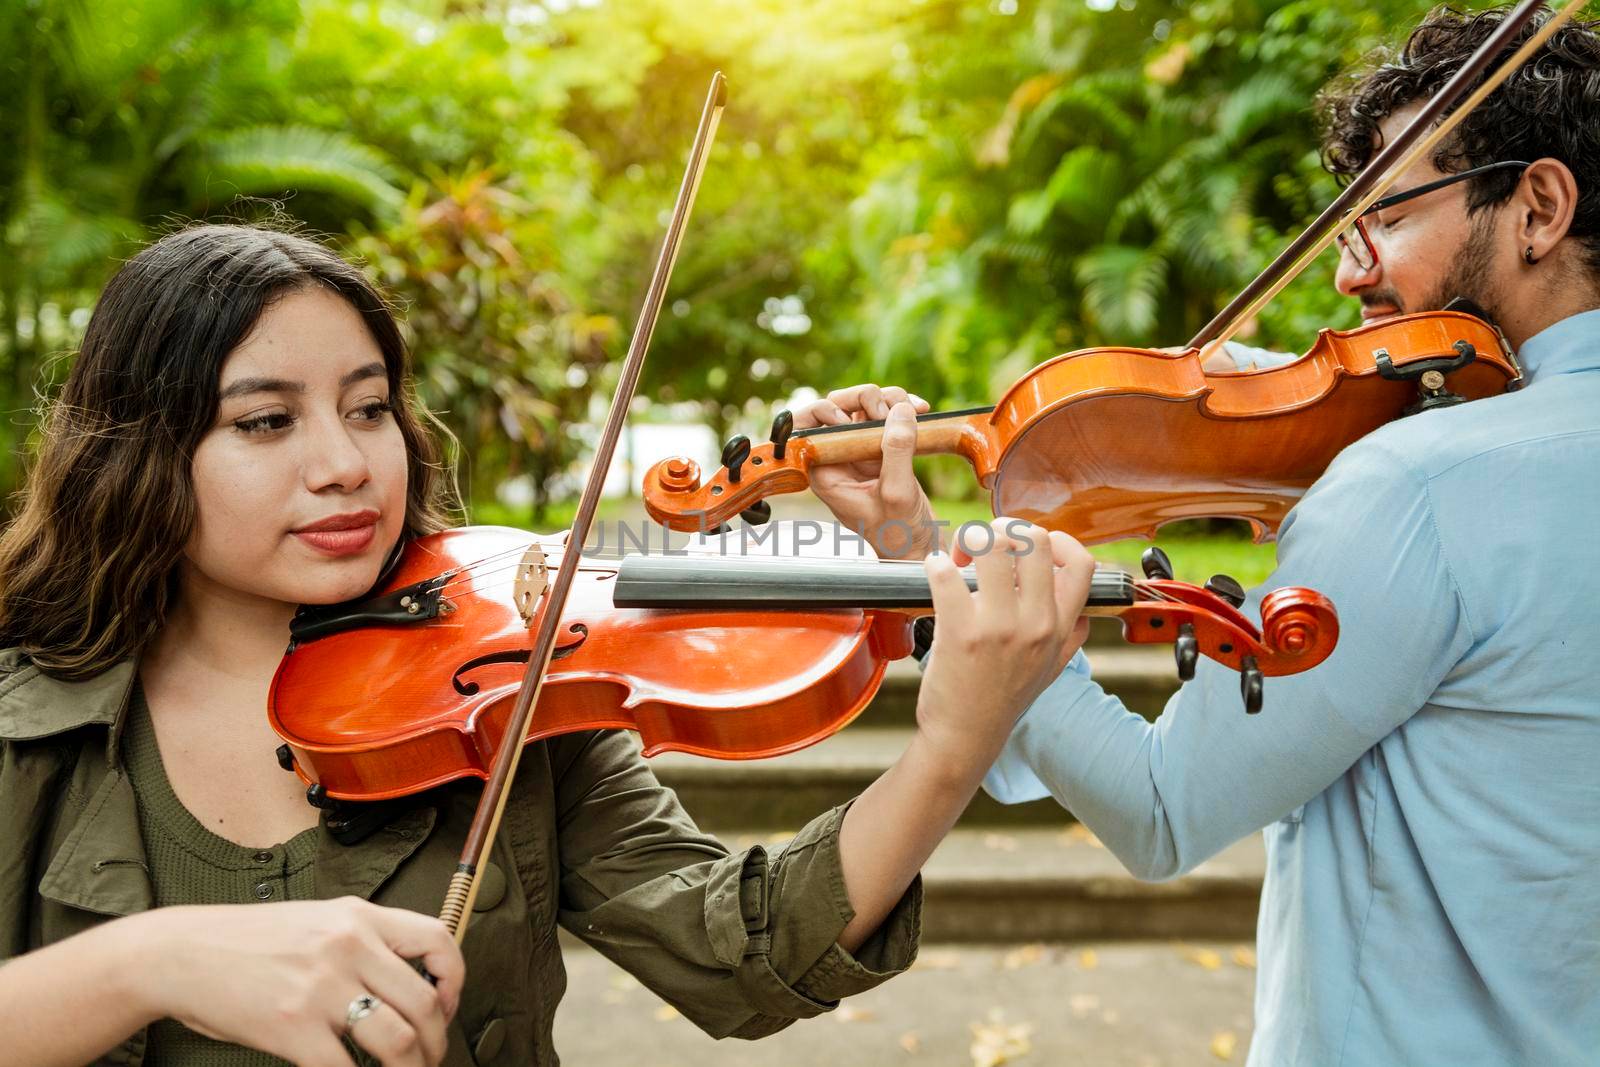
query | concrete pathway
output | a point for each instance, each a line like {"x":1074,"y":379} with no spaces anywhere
{"x":1118,"y":1004}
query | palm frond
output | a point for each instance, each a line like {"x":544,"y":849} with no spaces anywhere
{"x":1082,"y":108}
{"x":272,"y":159}
{"x":1122,"y":289}
{"x":1266,"y":100}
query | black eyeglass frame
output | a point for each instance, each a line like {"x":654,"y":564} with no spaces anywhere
{"x":1357,"y":226}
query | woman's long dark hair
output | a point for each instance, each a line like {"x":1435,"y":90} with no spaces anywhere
{"x":88,"y":570}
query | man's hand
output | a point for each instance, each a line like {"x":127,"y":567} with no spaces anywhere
{"x":997,"y":649}
{"x":880,"y":499}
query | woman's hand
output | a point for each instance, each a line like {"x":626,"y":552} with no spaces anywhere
{"x":281,"y":978}
{"x":881,"y":499}
{"x":995,"y":650}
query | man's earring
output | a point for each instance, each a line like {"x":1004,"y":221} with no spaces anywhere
{"x":1527,"y":254}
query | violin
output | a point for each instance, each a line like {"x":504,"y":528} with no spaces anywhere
{"x":733,"y":657}
{"x":1108,"y":443}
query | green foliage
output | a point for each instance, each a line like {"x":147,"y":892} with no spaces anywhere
{"x":501,"y":349}
{"x":939,"y":193}
{"x":1101,"y":177}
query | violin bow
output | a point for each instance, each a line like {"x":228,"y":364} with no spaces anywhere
{"x":1397,"y":157}
{"x":463,"y":888}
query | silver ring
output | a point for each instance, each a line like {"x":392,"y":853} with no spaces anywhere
{"x":359,"y":1009}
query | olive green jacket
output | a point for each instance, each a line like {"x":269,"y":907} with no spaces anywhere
{"x":740,"y":944}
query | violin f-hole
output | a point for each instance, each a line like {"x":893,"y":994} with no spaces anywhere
{"x":513,"y":655}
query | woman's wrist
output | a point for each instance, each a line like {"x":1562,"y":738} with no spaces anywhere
{"x":950,"y":763}
{"x":138,"y":959}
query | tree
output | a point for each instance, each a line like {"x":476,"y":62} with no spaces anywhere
{"x":128,"y":116}
{"x":1144,"y":162}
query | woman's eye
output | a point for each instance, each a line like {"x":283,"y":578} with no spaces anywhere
{"x":267,"y":423}
{"x":374,"y":411}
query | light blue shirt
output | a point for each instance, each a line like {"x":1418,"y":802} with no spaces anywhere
{"x":1430,"y":793}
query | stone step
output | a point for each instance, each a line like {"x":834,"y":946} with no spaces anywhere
{"x":730,"y":796}
{"x":1061,"y":884}
{"x":1109,"y":1004}
{"x":1143,"y":677}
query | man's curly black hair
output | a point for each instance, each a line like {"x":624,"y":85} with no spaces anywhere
{"x":1548,"y":108}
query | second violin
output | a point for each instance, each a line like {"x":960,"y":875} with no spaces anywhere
{"x":1109,"y":443}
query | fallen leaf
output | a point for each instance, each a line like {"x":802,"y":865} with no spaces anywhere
{"x":937,"y":961}
{"x":1224,"y":1044}
{"x":666,"y":1013}
{"x":1083,"y":1003}
{"x":911,"y":1042}
{"x":849,"y":1013}
{"x":1201,"y":957}
{"x":995,"y":1041}
{"x":1026,"y":956}
{"x":1002,"y":842}
{"x":1088,"y":959}
{"x":1244,"y":956}
{"x":1110,"y":1017}
{"x":624,"y":980}
{"x":782,"y":837}
{"x":1079,"y":834}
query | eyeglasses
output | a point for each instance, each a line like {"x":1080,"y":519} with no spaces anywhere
{"x":1354,"y":238}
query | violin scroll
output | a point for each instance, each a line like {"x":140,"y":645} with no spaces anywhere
{"x":1299,"y":629}
{"x":677,"y":497}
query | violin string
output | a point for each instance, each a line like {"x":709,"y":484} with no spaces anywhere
{"x":481,"y":568}
{"x":464,"y":577}
{"x":491,"y":558}
{"x":469,"y":572}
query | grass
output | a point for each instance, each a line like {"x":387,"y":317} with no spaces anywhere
{"x":1196,"y":552}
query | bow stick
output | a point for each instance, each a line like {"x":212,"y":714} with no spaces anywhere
{"x":486,"y":820}
{"x":1396,"y":158}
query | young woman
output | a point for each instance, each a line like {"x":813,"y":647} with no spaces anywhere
{"x":237,"y":438}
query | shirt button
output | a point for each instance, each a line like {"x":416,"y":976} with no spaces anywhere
{"x":264,"y":891}
{"x":263,"y":857}
{"x":490,"y":1041}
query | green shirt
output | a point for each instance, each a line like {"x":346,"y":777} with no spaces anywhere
{"x":742,"y":944}
{"x":191,"y":865}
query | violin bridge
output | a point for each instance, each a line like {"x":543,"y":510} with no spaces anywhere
{"x":533,"y":578}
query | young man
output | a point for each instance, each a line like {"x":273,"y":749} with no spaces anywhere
{"x":1430,"y":793}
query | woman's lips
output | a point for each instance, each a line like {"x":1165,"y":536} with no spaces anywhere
{"x":339,"y":542}
{"x":341,"y":535}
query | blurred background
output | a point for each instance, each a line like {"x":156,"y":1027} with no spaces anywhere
{"x":935,"y":193}
{"x":940,"y":193}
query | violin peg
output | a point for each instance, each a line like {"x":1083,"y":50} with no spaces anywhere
{"x":782,"y":427}
{"x":1187,"y":651}
{"x":1227,"y":588}
{"x":757,"y":513}
{"x":285,"y":757}
{"x":318,"y":797}
{"x":1155,"y":564}
{"x":1250,"y":685}
{"x":734,"y":453}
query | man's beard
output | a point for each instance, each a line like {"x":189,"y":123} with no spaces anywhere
{"x":1469,"y":277}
